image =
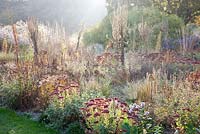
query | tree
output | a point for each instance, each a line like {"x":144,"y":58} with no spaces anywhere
{"x":186,"y":9}
{"x":114,"y":4}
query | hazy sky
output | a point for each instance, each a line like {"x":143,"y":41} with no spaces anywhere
{"x":70,"y":12}
{"x":85,"y":11}
{"x":96,"y":11}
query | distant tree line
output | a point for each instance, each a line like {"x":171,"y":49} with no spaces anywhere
{"x":186,"y":9}
{"x":11,"y":11}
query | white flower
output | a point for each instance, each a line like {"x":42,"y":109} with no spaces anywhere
{"x":133,"y":106}
{"x":137,"y":107}
{"x":142,"y":104}
{"x":130,"y":111}
{"x":132,"y":4}
{"x":146,"y":113}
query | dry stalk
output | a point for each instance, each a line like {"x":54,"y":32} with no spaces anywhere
{"x":33,"y":30}
{"x":16,"y":44}
{"x":79,"y":37}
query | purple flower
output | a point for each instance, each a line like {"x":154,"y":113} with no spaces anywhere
{"x":96,"y":114}
{"x":106,"y":106}
{"x":123,"y":103}
{"x":105,"y":111}
{"x":60,"y":97}
{"x":88,"y":115}
{"x":83,"y":109}
{"x":90,"y":104}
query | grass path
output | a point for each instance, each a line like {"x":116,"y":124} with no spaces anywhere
{"x":10,"y":123}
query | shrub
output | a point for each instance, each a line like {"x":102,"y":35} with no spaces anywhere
{"x":99,"y":34}
{"x":9,"y":94}
{"x":187,"y":121}
{"x":60,"y":117}
{"x":19,"y":83}
{"x":18,"y":93}
{"x":75,"y":128}
{"x":63,"y":113}
{"x":179,"y":111}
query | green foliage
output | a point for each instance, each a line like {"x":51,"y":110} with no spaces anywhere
{"x":99,"y":34}
{"x":74,"y":128}
{"x":150,"y":21}
{"x":144,"y":26}
{"x":187,"y":122}
{"x":113,"y":4}
{"x":186,"y":9}
{"x":174,"y":24}
{"x":59,"y":118}
{"x":153,"y":22}
{"x":130,"y":129}
{"x":9,"y":94}
{"x":106,"y":87}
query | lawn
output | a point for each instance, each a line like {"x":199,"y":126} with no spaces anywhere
{"x":11,"y":123}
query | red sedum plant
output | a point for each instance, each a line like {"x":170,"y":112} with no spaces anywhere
{"x":109,"y":115}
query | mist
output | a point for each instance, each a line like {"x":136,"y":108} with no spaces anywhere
{"x":70,"y":13}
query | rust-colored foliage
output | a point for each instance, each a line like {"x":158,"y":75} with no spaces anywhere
{"x":107,"y":58}
{"x":194,"y":79}
{"x":170,"y":57}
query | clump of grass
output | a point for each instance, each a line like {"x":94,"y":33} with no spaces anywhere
{"x":6,"y":57}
